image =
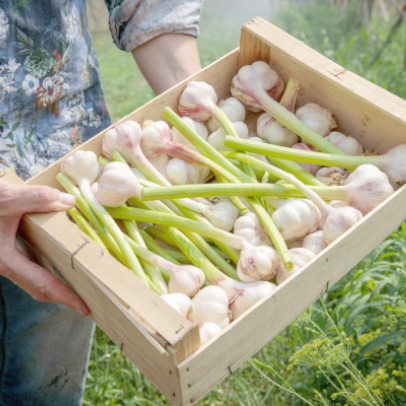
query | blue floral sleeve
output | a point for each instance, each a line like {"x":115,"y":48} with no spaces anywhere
{"x":134,"y":22}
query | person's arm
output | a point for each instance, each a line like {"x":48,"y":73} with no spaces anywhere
{"x":167,"y":59}
{"x":16,"y":200}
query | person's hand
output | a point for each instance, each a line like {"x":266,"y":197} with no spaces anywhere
{"x":16,"y":200}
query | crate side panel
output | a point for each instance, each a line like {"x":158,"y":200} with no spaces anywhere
{"x":212,"y":363}
{"x":362,"y":109}
{"x":218,"y":74}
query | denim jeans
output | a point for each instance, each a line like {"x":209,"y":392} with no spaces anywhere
{"x":44,"y":351}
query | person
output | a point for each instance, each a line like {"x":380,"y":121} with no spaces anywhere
{"x":52,"y":101}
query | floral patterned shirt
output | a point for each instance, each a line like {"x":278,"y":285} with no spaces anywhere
{"x":51,"y":98}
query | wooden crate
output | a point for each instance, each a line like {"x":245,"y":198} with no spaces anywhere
{"x":164,"y":345}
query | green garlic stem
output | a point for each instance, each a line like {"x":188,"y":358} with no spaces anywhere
{"x":235,"y":175}
{"x":131,"y":260}
{"x":85,"y":227}
{"x":166,"y":219}
{"x":290,"y":121}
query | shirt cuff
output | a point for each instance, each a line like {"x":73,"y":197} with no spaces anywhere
{"x":134,"y":22}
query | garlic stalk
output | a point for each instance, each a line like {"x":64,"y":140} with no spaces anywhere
{"x":211,"y":304}
{"x":198,"y":127}
{"x":233,"y":174}
{"x":270,"y":130}
{"x":311,"y":168}
{"x":83,"y":169}
{"x":317,"y":118}
{"x":250,"y":86}
{"x":391,"y":162}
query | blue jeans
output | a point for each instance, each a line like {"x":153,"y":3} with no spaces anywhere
{"x":44,"y":351}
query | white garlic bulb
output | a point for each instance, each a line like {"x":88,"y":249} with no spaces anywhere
{"x":346,"y":143}
{"x":251,"y":229}
{"x":211,"y":304}
{"x":296,"y":218}
{"x":180,"y":302}
{"x":207,"y":331}
{"x":197,"y":127}
{"x":300,"y":257}
{"x":314,"y":242}
{"x":216,"y":138}
{"x":180,"y":172}
{"x":332,"y":175}
{"x":234,"y":110}
{"x":273,"y":132}
{"x":317,"y":118}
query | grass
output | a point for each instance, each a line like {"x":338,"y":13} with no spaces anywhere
{"x":349,"y":347}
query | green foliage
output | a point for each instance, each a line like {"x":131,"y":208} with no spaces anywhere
{"x":347,"y":349}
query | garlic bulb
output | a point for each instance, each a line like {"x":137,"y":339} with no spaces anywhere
{"x":222,"y":215}
{"x":346,"y":143}
{"x":251,"y":229}
{"x":211,"y":304}
{"x":317,"y":118}
{"x":332,"y":175}
{"x":233,"y":108}
{"x":180,"y":172}
{"x":186,"y":279}
{"x":300,"y":257}
{"x":296,"y":218}
{"x":180,"y":302}
{"x":243,"y":295}
{"x":273,"y":132}
{"x":207,"y":331}
{"x":257,"y":263}
{"x":196,"y":101}
{"x":312,"y":168}
{"x":196,"y":126}
{"x":116,"y":185}
{"x":260,"y":76}
{"x":366,"y":187}
{"x":314,"y":242}
{"x":339,"y":221}
{"x":82,"y":165}
{"x":216,"y":138}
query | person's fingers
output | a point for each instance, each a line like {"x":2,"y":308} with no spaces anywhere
{"x":40,"y":284}
{"x":16,"y":200}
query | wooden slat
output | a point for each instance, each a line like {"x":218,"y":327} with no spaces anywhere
{"x":364,"y":110}
{"x":204,"y":369}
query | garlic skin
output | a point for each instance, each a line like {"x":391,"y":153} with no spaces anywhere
{"x":207,"y":331}
{"x":260,"y":76}
{"x":211,"y":304}
{"x":346,"y":143}
{"x":186,"y":279}
{"x":222,"y":215}
{"x":196,"y":126}
{"x":314,"y":242}
{"x":216,"y":138}
{"x":300,"y":257}
{"x":180,"y":172}
{"x":339,"y":221}
{"x":180,"y":302}
{"x":124,"y":138}
{"x":243,"y":295}
{"x":196,"y":101}
{"x":257,"y":263}
{"x":234,"y":110}
{"x":81,"y":165}
{"x":116,"y":185}
{"x":367,"y":187}
{"x":317,"y":118}
{"x":296,"y":218}
{"x":311,"y":168}
{"x":251,"y":229}
{"x":332,"y":175}
{"x":273,"y":132}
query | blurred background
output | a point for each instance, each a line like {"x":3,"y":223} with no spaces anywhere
{"x":349,"y":348}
